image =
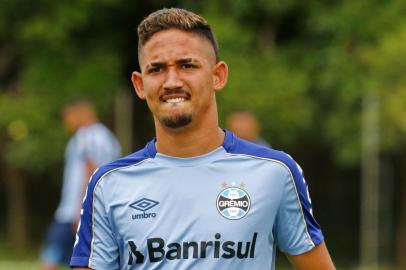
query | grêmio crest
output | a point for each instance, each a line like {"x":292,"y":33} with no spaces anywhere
{"x":233,"y":203}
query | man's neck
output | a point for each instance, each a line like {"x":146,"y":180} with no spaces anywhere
{"x":189,"y":142}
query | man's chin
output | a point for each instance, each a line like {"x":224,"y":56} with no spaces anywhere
{"x":177,"y":122}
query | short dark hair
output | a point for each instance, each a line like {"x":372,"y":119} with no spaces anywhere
{"x":169,"y":18}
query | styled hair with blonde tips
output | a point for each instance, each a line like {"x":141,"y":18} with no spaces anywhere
{"x":175,"y":18}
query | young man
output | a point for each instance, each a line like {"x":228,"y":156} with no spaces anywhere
{"x":196,"y":197}
{"x":92,"y":145}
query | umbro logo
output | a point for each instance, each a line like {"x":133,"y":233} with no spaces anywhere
{"x":144,"y":205}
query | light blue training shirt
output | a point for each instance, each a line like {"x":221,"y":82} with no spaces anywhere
{"x":94,"y":143}
{"x":228,"y":209}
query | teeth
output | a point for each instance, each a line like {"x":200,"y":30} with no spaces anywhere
{"x":175,"y":100}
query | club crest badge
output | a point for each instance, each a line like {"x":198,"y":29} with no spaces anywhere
{"x":233,"y":203}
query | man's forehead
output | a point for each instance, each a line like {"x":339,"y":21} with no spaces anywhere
{"x":175,"y":44}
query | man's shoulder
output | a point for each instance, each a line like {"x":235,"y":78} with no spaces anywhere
{"x":239,"y":146}
{"x":92,"y":130}
{"x":121,"y":163}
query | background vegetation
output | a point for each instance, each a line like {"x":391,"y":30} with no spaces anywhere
{"x":304,"y":67}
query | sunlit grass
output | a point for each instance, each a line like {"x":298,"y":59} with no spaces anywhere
{"x":18,"y":265}
{"x":27,"y":265}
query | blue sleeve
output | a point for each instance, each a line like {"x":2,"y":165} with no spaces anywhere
{"x":95,"y":245}
{"x":296,"y":230}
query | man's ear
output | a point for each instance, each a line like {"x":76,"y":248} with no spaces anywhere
{"x":136,"y":79}
{"x":220,"y":74}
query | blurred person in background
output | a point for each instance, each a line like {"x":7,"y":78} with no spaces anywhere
{"x":245,"y":125}
{"x":91,"y":145}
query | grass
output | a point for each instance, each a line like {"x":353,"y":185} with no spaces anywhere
{"x":17,"y":259}
{"x":18,"y":265}
{"x":26,"y":265}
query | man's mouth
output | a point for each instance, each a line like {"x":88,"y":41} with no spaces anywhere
{"x":175,"y":96}
{"x":175,"y":100}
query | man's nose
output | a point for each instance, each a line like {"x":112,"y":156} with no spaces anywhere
{"x":172,"y":80}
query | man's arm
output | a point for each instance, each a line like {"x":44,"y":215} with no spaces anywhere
{"x":316,"y":259}
{"x":90,"y":167}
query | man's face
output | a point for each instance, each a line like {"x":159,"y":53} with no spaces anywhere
{"x":179,"y":77}
{"x":70,"y":119}
{"x":244,"y":126}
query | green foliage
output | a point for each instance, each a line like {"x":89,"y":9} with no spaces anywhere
{"x":54,"y":62}
{"x":311,"y":75}
{"x":387,"y":69}
{"x":263,"y":81}
{"x":302,"y":68}
{"x":272,"y":88}
{"x":34,"y":138}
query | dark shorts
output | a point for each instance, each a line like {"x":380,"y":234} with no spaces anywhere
{"x":58,"y":244}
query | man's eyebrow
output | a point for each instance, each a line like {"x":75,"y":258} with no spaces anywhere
{"x":155,"y":64}
{"x":179,"y":61}
{"x":187,"y":60}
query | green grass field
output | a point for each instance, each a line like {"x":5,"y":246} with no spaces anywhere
{"x":18,"y":265}
{"x":27,"y":265}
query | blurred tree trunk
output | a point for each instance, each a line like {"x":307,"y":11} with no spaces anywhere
{"x":16,"y":209}
{"x":401,"y":226}
{"x":267,"y":36}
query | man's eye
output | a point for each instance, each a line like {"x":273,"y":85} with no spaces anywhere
{"x":187,"y":66}
{"x":155,"y":70}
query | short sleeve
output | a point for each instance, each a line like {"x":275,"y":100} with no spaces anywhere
{"x":296,"y":230}
{"x":98,"y":145}
{"x":95,"y":245}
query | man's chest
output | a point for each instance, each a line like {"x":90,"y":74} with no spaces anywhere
{"x":196,"y":203}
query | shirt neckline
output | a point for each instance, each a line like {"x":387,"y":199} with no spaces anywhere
{"x":191,"y":161}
